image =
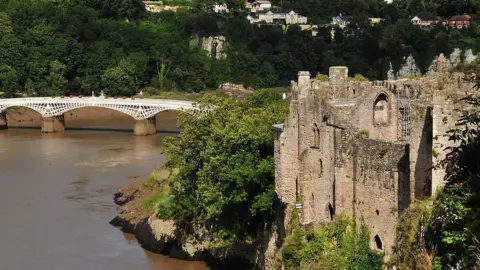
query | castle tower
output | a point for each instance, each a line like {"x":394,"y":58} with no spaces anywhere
{"x":338,"y":76}
{"x":303,"y":83}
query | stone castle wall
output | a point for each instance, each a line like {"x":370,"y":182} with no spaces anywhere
{"x":364,"y":148}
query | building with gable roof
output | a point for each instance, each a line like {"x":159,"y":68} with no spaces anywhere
{"x":460,"y":21}
{"x":277,"y":16}
{"x":425,"y":19}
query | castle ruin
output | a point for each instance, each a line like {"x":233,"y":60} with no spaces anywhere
{"x":364,"y":149}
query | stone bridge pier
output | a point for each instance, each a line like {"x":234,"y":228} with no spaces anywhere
{"x":144,"y":127}
{"x":53,"y":124}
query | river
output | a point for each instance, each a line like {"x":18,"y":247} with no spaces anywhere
{"x":56,"y":197}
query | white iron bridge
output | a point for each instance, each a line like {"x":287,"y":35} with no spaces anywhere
{"x":57,"y":106}
{"x":53,"y":109}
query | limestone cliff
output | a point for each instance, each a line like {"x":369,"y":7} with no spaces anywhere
{"x":164,"y":237}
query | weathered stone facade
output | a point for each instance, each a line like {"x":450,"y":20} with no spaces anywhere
{"x":364,"y":148}
{"x":215,"y":46}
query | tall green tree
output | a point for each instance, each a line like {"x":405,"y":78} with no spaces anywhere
{"x":222,"y":165}
{"x":119,"y":80}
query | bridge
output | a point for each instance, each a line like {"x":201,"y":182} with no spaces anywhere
{"x":53,"y":109}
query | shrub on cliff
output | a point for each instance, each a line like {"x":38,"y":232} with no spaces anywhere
{"x":338,"y":245}
{"x":224,"y":177}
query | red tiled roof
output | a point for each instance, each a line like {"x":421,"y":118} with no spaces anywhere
{"x":464,"y":17}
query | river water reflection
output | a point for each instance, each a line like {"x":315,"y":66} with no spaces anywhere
{"x":56,"y":200}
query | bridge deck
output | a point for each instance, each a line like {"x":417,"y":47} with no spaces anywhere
{"x":138,"y":108}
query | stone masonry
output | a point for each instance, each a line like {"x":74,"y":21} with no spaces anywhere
{"x":364,"y":149}
{"x":215,"y":46}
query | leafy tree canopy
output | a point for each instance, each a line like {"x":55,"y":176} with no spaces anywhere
{"x":223,"y":164}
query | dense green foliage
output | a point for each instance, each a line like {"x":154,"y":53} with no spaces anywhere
{"x":410,"y":250}
{"x":338,"y":245}
{"x":50,"y":47}
{"x":222,"y":165}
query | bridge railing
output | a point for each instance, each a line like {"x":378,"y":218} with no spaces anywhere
{"x":95,"y":100}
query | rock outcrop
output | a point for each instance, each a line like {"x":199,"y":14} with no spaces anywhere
{"x":165,"y":237}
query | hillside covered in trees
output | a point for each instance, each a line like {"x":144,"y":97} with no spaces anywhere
{"x":51,"y":47}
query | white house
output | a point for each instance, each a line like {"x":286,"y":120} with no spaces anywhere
{"x":340,"y":21}
{"x":260,"y":5}
{"x":275,"y":16}
{"x":220,"y":8}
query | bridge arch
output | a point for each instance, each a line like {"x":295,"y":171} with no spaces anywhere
{"x":142,"y":109}
{"x":4,"y":109}
{"x":20,"y":116}
{"x":53,"y":110}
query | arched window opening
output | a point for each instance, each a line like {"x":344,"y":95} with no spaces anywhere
{"x":330,"y":212}
{"x":378,"y":212}
{"x":380,"y":110}
{"x":378,"y":242}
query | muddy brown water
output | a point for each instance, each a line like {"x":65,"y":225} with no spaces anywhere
{"x":56,"y":193}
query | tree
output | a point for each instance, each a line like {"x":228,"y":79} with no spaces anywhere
{"x":119,"y":80}
{"x":120,"y":9}
{"x":9,"y":81}
{"x":222,"y":165}
{"x":140,"y":61}
{"x":56,"y":77}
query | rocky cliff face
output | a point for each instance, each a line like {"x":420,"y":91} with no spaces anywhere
{"x":215,"y":46}
{"x":164,"y":237}
{"x":410,"y":68}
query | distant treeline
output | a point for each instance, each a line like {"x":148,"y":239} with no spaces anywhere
{"x":52,"y":47}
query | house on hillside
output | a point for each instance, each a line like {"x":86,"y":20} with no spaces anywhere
{"x":340,"y":21}
{"x":260,"y":5}
{"x":278,"y":17}
{"x":310,"y":27}
{"x":375,"y":20}
{"x":425,"y":19}
{"x":220,"y":8}
{"x":460,"y":21}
